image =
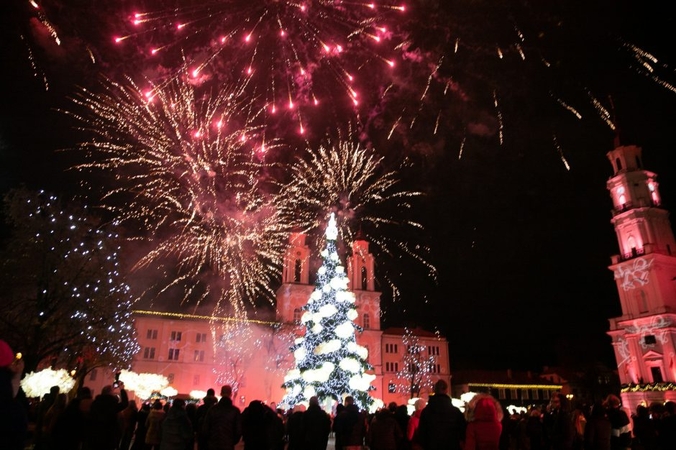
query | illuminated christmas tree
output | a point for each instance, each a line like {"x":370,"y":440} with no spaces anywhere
{"x":329,"y":362}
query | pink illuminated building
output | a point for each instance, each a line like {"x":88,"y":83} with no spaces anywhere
{"x":197,"y":352}
{"x":644,"y":337}
{"x":296,"y":289}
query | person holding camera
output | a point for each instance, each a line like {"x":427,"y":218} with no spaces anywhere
{"x":105,"y":429}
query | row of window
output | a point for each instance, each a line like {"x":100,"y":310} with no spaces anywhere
{"x":174,"y":354}
{"x":432,"y":350}
{"x":176,"y":336}
{"x":393,"y":367}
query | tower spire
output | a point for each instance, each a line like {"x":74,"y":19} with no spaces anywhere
{"x":617,"y":142}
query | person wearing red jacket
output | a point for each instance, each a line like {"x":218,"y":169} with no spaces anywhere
{"x":483,"y":423}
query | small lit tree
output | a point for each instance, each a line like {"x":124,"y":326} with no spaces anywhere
{"x":329,"y":362}
{"x":416,"y":374}
{"x":234,"y":351}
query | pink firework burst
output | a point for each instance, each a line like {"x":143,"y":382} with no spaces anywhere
{"x":295,"y":55}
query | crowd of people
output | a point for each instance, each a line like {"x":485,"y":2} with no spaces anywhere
{"x":111,"y":421}
{"x":603,"y":425}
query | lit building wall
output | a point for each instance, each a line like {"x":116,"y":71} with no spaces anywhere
{"x":200,"y":352}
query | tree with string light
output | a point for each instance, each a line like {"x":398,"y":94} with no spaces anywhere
{"x":417,"y":367}
{"x":329,"y":362}
{"x":63,"y":300}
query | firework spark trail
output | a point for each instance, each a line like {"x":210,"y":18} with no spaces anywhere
{"x":44,"y":20}
{"x":604,"y":114}
{"x":500,"y":123}
{"x":343,"y":178}
{"x":431,"y":77}
{"x":37,"y":73}
{"x":645,"y":58}
{"x":184,"y":173}
{"x":647,"y":61}
{"x":49,"y":30}
{"x":570,"y":108}
{"x":394,"y":127}
{"x":560,"y":152}
{"x":284,"y":46}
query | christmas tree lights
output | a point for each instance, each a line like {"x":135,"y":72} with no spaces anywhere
{"x":64,"y":299}
{"x":329,"y":362}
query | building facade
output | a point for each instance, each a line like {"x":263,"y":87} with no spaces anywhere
{"x":199,"y":352}
{"x":644,"y":336}
{"x":412,"y":361}
{"x":510,"y":388}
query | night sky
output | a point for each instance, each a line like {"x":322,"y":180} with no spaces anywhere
{"x":521,"y":243}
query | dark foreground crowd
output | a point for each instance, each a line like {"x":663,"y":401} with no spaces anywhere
{"x":110,"y":421}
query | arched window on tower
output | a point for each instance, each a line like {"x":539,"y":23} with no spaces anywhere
{"x":297,"y":313}
{"x":621,"y":198}
{"x":364,"y":279}
{"x":618,"y":163}
{"x":297,"y":270}
{"x":366,"y":320}
{"x":631,"y":243}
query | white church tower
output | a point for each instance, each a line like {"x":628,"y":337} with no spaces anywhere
{"x":296,"y":288}
{"x":644,"y":336}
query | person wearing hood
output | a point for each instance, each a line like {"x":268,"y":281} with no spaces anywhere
{"x":316,"y":427}
{"x":384,"y":432}
{"x":484,"y":416}
{"x":177,"y":432}
{"x":154,"y":426}
{"x":207,"y":402}
{"x":350,"y":426}
{"x":105,"y":431}
{"x":442,"y":425}
{"x":262,"y":429}
{"x":414,"y":421}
